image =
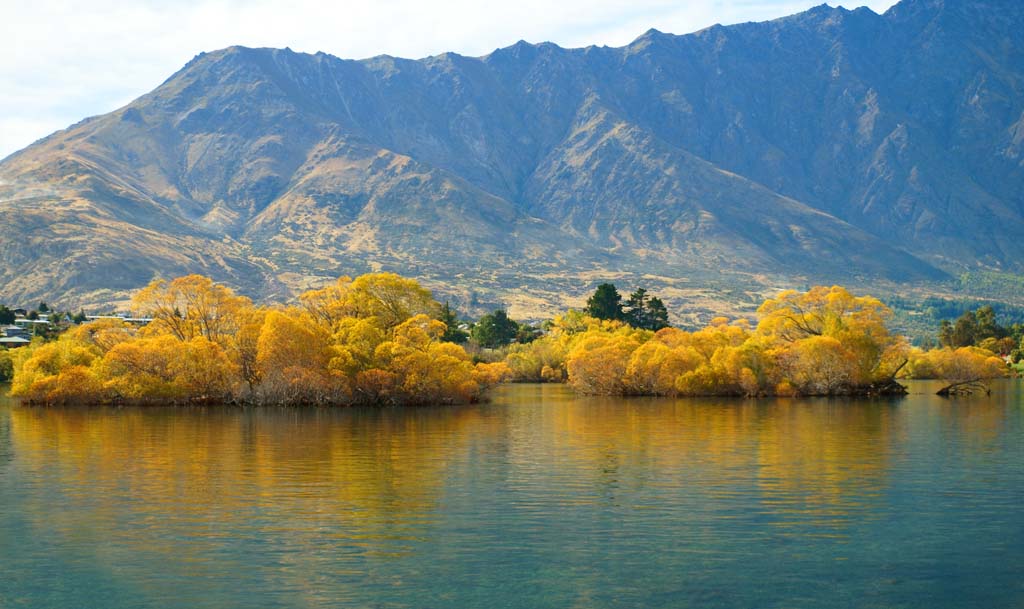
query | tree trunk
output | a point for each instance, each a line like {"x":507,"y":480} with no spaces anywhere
{"x":967,"y":387}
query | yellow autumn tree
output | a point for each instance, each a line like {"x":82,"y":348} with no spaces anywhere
{"x":191,"y":306}
{"x":425,"y":370}
{"x":864,"y":353}
{"x":165,"y":369}
{"x":966,"y":369}
{"x":58,"y":372}
{"x":293,"y":353}
{"x":390,"y":298}
{"x":541,"y":360}
{"x":329,"y":305}
{"x":654,"y":367}
{"x":598,"y":362}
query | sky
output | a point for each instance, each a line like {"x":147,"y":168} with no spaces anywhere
{"x":64,"y":60}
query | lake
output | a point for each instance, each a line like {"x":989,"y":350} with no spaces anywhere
{"x":537,"y":499}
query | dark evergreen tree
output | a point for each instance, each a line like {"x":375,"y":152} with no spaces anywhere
{"x":606,"y":303}
{"x":987,"y":327}
{"x":636,"y":309}
{"x":657,"y":314}
{"x":646,"y":313}
{"x":965,"y":330}
{"x":946,"y":333}
{"x":43,"y":308}
{"x":452,"y":333}
{"x":7,"y":316}
{"x":495,"y":330}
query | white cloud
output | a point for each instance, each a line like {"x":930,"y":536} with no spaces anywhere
{"x":63,"y":60}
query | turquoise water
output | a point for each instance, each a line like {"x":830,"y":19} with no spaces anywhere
{"x":538,"y":499}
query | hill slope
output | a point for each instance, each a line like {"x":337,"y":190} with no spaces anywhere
{"x":833,"y":145}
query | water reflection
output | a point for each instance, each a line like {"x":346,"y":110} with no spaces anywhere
{"x":6,"y":452}
{"x":537,"y":499}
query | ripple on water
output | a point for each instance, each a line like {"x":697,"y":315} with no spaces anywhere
{"x":538,"y":499}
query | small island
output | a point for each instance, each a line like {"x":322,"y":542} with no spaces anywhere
{"x":383,"y":339}
{"x":823,"y":342}
{"x":372,"y":340}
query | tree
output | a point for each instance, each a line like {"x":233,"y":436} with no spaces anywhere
{"x":527,"y":333}
{"x":43,"y":308}
{"x":292,"y":359}
{"x":453,"y":333}
{"x":965,"y":330}
{"x":822,"y":311}
{"x":6,"y":366}
{"x":390,"y":298}
{"x":946,"y":333}
{"x":646,"y":313}
{"x":598,"y":364}
{"x":857,"y":322}
{"x":820,"y":365}
{"x":33,"y":315}
{"x":636,"y":309}
{"x":6,"y":316}
{"x":166,"y":369}
{"x":606,"y":303}
{"x":657,"y":314}
{"x":495,"y":330}
{"x":967,"y":368}
{"x":987,"y":327}
{"x":191,"y":306}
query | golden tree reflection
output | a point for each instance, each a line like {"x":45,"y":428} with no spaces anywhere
{"x":373,"y":478}
{"x":379,"y":481}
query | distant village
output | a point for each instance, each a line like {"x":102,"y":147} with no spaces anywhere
{"x":19,"y":326}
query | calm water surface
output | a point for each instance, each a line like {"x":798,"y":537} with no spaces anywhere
{"x":538,"y":499}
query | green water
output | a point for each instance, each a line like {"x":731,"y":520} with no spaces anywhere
{"x":538,"y":499}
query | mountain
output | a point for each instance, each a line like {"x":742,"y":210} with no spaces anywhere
{"x":830,"y":146}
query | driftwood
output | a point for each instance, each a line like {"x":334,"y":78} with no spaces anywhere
{"x":887,"y":386}
{"x":967,"y":387}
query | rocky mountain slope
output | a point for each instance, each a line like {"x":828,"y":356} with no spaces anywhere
{"x":832,"y":145}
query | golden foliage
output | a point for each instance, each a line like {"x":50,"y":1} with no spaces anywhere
{"x":597,"y":364}
{"x":162,"y":368}
{"x":292,"y":359}
{"x":373,"y":339}
{"x":957,"y":365}
{"x":191,"y":306}
{"x":540,"y":360}
{"x":48,"y":372}
{"x":389,"y":298}
{"x":822,"y":342}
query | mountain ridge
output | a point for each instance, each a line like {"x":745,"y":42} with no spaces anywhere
{"x":831,"y":145}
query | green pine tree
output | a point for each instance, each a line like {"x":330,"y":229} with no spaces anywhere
{"x":606,"y":303}
{"x":495,"y":330}
{"x":452,"y":333}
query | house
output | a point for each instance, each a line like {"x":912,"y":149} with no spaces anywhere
{"x":14,"y":331}
{"x":14,"y":336}
{"x":139,"y":321}
{"x":32,"y":323}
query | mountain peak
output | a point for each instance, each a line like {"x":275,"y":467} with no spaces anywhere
{"x":695,"y":158}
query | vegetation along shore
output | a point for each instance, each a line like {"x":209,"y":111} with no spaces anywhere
{"x":383,"y":339}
